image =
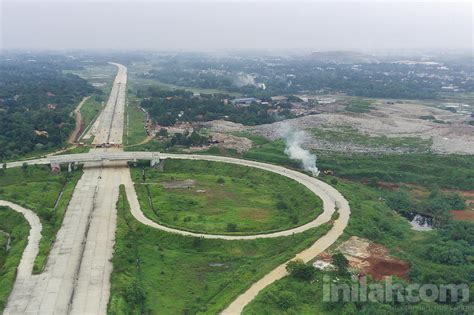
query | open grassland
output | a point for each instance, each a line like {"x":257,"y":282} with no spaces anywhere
{"x":359,"y":106}
{"x":162,"y":273}
{"x":154,"y":144}
{"x":43,"y":192}
{"x":15,"y":225}
{"x":350,"y":135}
{"x":98,"y":75}
{"x":212,"y":197}
{"x":90,"y":111}
{"x":135,"y":122}
{"x":438,"y":257}
{"x":144,"y":83}
{"x":450,"y":171}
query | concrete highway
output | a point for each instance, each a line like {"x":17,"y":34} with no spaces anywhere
{"x":108,"y":126}
{"x":28,"y":257}
{"x":76,"y":278}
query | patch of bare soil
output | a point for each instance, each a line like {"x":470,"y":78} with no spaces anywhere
{"x":393,"y":121}
{"x":227,"y":141}
{"x":173,"y":184}
{"x":223,"y":126}
{"x":79,"y":122}
{"x":463,"y":215}
{"x":373,"y":259}
{"x":467,"y":195}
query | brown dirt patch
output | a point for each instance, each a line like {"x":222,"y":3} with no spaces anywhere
{"x":226,"y":141}
{"x":416,"y":191}
{"x":463,"y":215}
{"x":257,"y":214}
{"x":79,"y":122}
{"x":385,"y":185}
{"x":380,"y":268}
{"x":467,"y":195}
{"x":373,"y":259}
{"x":173,"y":184}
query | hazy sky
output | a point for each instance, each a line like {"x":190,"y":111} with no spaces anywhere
{"x":229,"y":25}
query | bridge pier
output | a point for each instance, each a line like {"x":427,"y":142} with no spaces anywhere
{"x":71,"y":166}
{"x":155,"y":159}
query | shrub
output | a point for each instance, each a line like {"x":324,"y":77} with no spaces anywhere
{"x":341,"y":263}
{"x":231,"y":227}
{"x":298,"y":269}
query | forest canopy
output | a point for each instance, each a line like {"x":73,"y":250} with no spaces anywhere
{"x":36,"y":99}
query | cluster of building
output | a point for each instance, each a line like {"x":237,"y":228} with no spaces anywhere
{"x":299,"y":105}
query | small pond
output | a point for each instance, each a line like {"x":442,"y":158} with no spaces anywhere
{"x":419,"y":222}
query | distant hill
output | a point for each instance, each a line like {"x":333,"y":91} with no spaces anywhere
{"x":342,"y":57}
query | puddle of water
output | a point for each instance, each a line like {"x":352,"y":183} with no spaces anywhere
{"x":216,"y":264}
{"x":419,"y":222}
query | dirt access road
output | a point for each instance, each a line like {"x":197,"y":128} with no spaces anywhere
{"x":76,"y":278}
{"x":77,"y":112}
{"x":332,"y":201}
{"x":77,"y":275}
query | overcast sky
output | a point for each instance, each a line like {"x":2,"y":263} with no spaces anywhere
{"x":230,"y":25}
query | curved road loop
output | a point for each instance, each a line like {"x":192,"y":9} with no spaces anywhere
{"x":331,"y":198}
{"x":332,"y":201}
{"x":28,"y":257}
{"x":76,"y":279}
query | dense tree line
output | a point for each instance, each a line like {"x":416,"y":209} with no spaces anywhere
{"x":186,"y":139}
{"x":292,"y":75}
{"x":36,"y":96}
{"x":169,"y":107}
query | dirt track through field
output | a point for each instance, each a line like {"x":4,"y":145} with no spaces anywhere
{"x":77,"y":112}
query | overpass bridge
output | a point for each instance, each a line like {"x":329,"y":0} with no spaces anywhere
{"x":95,"y":156}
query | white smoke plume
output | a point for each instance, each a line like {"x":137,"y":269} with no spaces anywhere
{"x":244,"y":79}
{"x":294,"y":139}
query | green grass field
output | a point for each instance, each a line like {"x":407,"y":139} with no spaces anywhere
{"x":13,"y":223}
{"x":135,"y":124}
{"x":149,"y":82}
{"x":232,"y":199}
{"x":98,"y":75}
{"x":426,"y":169}
{"x":359,"y":106}
{"x":347,"y":134}
{"x":162,"y":273}
{"x":90,"y":110}
{"x":43,"y":192}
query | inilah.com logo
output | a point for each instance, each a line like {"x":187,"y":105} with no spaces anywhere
{"x":387,"y":291}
